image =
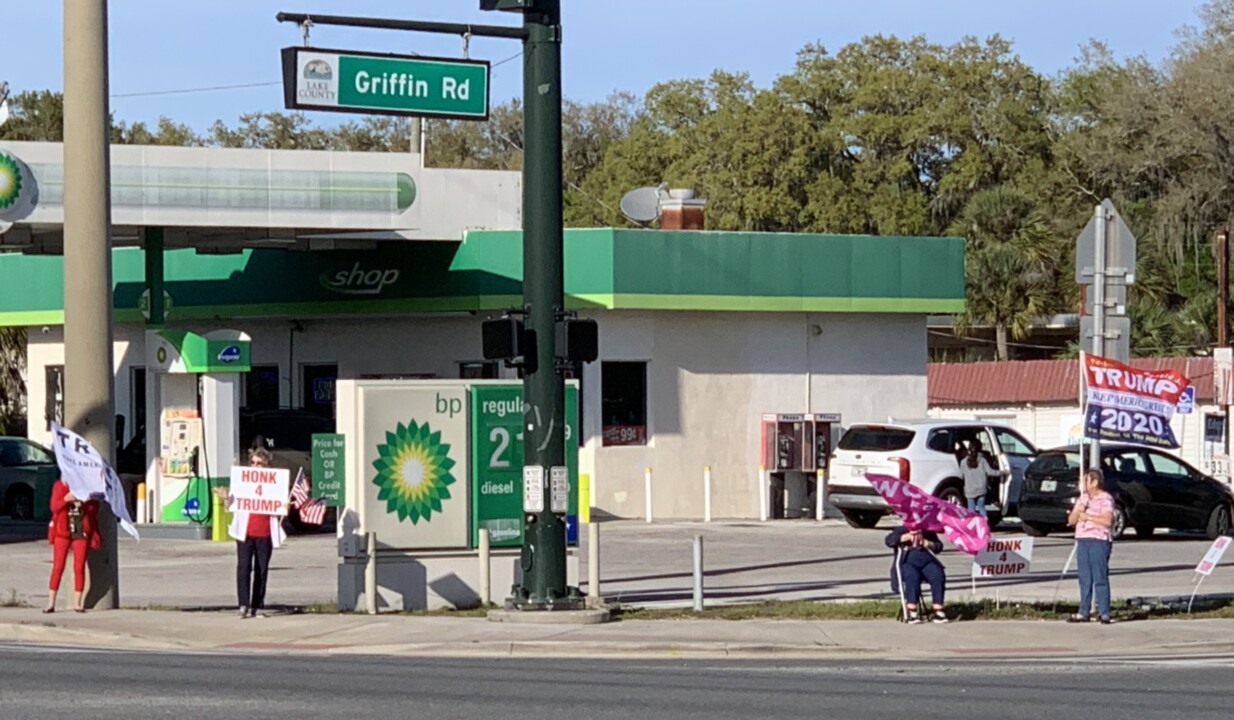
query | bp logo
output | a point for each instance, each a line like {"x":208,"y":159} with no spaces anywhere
{"x":10,"y":182}
{"x":413,"y":472}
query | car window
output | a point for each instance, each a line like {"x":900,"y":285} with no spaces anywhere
{"x":876,"y":437}
{"x":1011,"y":443}
{"x":1055,"y":462}
{"x":10,"y":454}
{"x":292,"y":432}
{"x":1130,"y":461}
{"x":16,"y":453}
{"x":36,"y":455}
{"x":1166,"y":465}
{"x":940,"y":440}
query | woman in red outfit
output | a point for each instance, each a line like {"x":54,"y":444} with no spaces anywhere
{"x":74,"y":525}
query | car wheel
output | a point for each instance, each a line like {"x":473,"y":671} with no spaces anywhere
{"x":1218,"y":522}
{"x":1119,"y":526}
{"x":1032,"y":530}
{"x":862,"y":518}
{"x":1144,"y":532}
{"x":21,"y":503}
{"x":953,"y":495}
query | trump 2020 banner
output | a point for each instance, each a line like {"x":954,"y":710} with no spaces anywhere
{"x":1130,"y":405}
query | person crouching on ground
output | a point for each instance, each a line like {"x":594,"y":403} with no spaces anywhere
{"x":1092,"y":515}
{"x":256,"y":537}
{"x":915,"y":560}
{"x":74,"y":525}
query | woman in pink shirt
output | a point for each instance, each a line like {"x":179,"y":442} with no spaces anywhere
{"x":1092,"y":515}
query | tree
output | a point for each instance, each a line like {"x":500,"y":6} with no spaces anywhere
{"x":1009,"y":264}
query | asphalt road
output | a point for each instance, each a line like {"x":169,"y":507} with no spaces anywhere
{"x":41,"y":683}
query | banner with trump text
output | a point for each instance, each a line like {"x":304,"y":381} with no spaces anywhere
{"x":1130,"y":405}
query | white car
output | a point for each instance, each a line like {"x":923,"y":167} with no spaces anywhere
{"x":927,"y":454}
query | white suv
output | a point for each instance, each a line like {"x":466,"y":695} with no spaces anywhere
{"x":926,"y":454}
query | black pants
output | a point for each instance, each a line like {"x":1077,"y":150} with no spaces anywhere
{"x":252,"y":567}
{"x":932,"y":572}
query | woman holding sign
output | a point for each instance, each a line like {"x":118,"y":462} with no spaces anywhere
{"x":1092,"y":515}
{"x":74,"y":525}
{"x":256,"y":537}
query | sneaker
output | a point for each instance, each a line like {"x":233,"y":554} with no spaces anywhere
{"x":1106,"y":620}
{"x":244,"y":612}
{"x":938,"y":617}
{"x":1077,"y":619}
{"x":258,"y":614}
{"x":914,"y":618}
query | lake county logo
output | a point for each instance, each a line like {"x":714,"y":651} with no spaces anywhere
{"x":229,"y":354}
{"x":413,"y":472}
{"x":318,"y":70}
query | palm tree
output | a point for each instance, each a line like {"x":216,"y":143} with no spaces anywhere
{"x":12,"y":379}
{"x":1010,"y":264}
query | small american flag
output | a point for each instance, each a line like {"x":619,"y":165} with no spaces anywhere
{"x":312,"y":510}
{"x":300,"y":489}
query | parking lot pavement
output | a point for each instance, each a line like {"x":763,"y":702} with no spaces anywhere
{"x":641,"y":564}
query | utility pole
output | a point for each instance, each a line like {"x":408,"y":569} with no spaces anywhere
{"x":89,"y":398}
{"x":1223,"y":321}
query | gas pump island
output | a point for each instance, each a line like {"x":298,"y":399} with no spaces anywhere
{"x":193,"y":440}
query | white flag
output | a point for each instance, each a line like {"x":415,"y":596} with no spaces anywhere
{"x":88,"y":475}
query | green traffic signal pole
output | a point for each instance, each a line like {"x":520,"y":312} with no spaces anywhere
{"x":544,"y":543}
{"x":544,"y":546}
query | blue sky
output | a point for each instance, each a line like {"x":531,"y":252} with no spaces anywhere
{"x":161,"y":45}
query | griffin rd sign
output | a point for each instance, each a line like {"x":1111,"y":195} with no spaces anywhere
{"x":379,"y":84}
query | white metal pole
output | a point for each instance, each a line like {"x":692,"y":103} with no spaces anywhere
{"x":820,"y":493}
{"x":706,"y":493}
{"x":647,"y":493}
{"x":593,"y":560}
{"x":486,"y":568}
{"x":698,"y":573}
{"x":762,"y":493}
{"x":370,"y":574}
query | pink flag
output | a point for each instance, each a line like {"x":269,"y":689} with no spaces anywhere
{"x":966,"y":529}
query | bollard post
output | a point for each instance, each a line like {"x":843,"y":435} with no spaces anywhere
{"x":647,"y":492}
{"x":706,"y":493}
{"x":593,"y":560}
{"x":486,"y":594}
{"x":141,"y":503}
{"x":698,"y":573}
{"x":763,"y":493}
{"x":820,"y":493}
{"x":370,"y":574}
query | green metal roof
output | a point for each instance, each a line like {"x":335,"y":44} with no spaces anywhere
{"x":608,"y":268}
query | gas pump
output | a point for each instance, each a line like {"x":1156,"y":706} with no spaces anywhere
{"x":193,"y":388}
{"x":795,"y":451}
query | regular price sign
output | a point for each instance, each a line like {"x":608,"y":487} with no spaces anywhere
{"x":260,"y":490}
{"x":1130,"y":405}
{"x":1005,"y":557}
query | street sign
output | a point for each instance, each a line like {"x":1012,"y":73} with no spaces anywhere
{"x":1119,"y":249}
{"x":1115,"y":299}
{"x":380,"y":84}
{"x":1117,"y":337}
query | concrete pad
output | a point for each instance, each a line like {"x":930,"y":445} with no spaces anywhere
{"x":593,"y":616}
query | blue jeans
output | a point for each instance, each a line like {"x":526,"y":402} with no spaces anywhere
{"x":1093,"y":566}
{"x":978,"y":504}
{"x":932,"y":572}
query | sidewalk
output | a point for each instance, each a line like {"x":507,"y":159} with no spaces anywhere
{"x":402,"y":635}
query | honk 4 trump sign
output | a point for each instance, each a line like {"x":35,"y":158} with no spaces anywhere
{"x":260,"y":490}
{"x":1004,"y":557}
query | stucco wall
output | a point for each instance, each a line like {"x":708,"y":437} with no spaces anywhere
{"x":711,"y":376}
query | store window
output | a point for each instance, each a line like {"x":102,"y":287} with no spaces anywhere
{"x":623,"y":387}
{"x":318,"y":388}
{"x":478,"y":370}
{"x":261,"y":388}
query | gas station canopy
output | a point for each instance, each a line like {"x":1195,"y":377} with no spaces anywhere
{"x":225,"y":200}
